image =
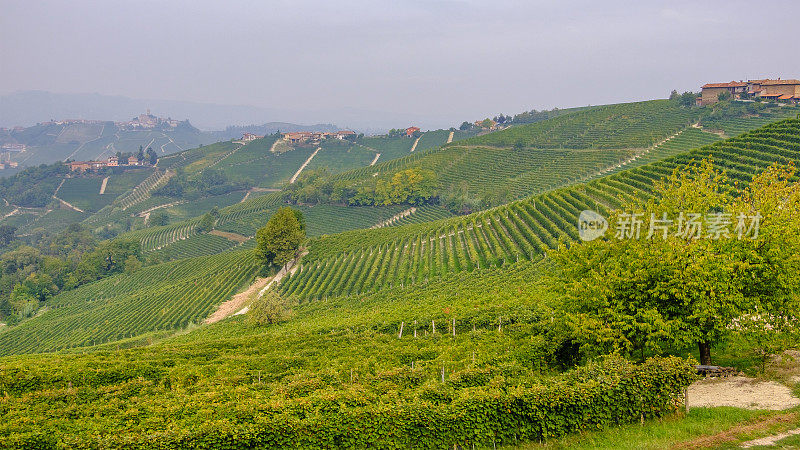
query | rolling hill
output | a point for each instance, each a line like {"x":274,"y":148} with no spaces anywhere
{"x":397,"y":320}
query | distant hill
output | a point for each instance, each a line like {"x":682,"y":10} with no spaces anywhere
{"x":235,"y":132}
{"x":49,"y":142}
{"x":30,"y":107}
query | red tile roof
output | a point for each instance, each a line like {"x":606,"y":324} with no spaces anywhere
{"x":784,"y":97}
{"x":724,"y":85}
{"x":779,"y":82}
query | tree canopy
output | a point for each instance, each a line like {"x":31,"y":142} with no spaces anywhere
{"x":678,"y":284}
{"x":279,"y":240}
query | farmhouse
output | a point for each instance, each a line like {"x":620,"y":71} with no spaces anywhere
{"x":410,"y":131}
{"x":82,"y":166}
{"x":785,"y":90}
{"x":781,"y":90}
{"x":344,"y":134}
{"x":298,"y":137}
{"x":247,"y":137}
{"x":711,"y":91}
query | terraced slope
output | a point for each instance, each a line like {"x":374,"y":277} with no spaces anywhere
{"x":625,"y":125}
{"x":183,"y":239}
{"x":362,"y":261}
{"x":164,"y":297}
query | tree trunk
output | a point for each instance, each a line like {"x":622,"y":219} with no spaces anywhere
{"x":705,"y":353}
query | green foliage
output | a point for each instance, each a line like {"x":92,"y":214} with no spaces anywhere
{"x":158,"y":219}
{"x":279,"y":240}
{"x":208,"y":182}
{"x":206,"y":223}
{"x":169,"y":296}
{"x":628,"y":125}
{"x":410,"y":186}
{"x":366,"y":260}
{"x":339,"y":363}
{"x":34,"y":186}
{"x":269,"y":309}
{"x":630,"y":295}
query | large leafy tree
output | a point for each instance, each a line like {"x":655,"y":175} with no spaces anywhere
{"x":279,"y":240}
{"x":680,"y":287}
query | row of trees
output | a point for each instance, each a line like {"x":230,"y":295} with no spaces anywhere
{"x":687,"y":99}
{"x":32,"y":275}
{"x":410,"y":186}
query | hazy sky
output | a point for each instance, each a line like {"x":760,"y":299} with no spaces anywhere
{"x":451,"y":59}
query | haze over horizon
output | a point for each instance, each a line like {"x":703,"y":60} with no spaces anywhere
{"x":377,"y":62}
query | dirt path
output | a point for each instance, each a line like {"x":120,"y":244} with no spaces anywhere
{"x":741,"y":392}
{"x":272,"y":147}
{"x":81,"y":146}
{"x":103,"y":186}
{"x":414,"y":147}
{"x":166,"y":205}
{"x":15,"y":211}
{"x":634,"y":157}
{"x":236,"y":302}
{"x":450,"y":138}
{"x":297,"y":174}
{"x":375,"y":160}
{"x":229,"y":236}
{"x":395,"y":218}
{"x":234,"y":306}
{"x":68,"y":205}
{"x":770,"y":440}
{"x":59,"y":187}
{"x":173,"y":143}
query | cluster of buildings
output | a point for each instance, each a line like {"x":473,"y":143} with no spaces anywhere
{"x":5,"y":155}
{"x":411,"y":131}
{"x":145,"y":121}
{"x":780,"y":90}
{"x":148,"y":122}
{"x":313,"y":137}
{"x":82,"y":166}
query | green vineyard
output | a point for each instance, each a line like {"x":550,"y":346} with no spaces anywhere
{"x":625,"y":125}
{"x":362,"y":261}
{"x":168,"y":296}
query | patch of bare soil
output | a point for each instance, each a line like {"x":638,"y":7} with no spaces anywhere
{"x":760,"y":424}
{"x":770,"y":440}
{"x":237,"y":301}
{"x":741,"y":392}
{"x":230,"y":236}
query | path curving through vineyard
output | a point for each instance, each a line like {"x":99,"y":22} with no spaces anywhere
{"x":235,"y":306}
{"x":297,"y":174}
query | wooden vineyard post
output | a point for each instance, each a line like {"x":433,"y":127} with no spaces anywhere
{"x":401,"y":330}
{"x":686,"y":399}
{"x":500,"y":325}
{"x":454,"y":327}
{"x":433,"y":327}
{"x":415,"y":328}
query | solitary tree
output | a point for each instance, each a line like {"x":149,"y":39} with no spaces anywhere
{"x":279,"y":240}
{"x":686,"y":285}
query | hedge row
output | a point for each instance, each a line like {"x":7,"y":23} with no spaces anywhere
{"x":593,"y":397}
